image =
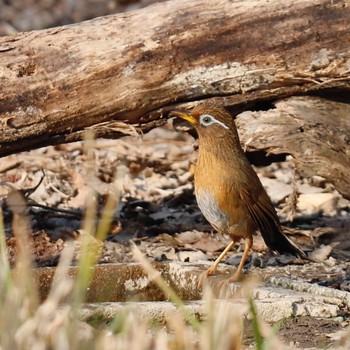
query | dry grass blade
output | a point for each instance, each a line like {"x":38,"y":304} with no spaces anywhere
{"x":5,"y":271}
{"x":90,"y":253}
{"x":19,"y":297}
{"x":21,"y":231}
{"x":156,"y":277}
{"x":48,"y":326}
{"x":224,"y":317}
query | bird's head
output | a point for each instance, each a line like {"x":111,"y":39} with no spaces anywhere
{"x":211,"y":121}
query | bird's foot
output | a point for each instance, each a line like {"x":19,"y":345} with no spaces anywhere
{"x":237,"y":277}
{"x":210,"y":272}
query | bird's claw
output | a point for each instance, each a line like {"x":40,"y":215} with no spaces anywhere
{"x":237,"y":277}
{"x":210,"y":272}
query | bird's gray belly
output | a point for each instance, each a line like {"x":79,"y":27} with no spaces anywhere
{"x":211,"y":210}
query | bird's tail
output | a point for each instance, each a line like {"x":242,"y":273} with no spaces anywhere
{"x":276,"y":240}
{"x":266,"y":220}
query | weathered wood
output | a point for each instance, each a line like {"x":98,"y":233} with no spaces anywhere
{"x":132,"y":67}
{"x":121,"y":74}
{"x":315,"y":131}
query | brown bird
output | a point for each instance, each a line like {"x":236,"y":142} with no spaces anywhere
{"x":228,"y":191}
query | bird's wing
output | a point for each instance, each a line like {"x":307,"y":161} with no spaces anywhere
{"x":263,"y":214}
{"x":260,"y":208}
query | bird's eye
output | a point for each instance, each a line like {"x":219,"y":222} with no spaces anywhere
{"x":206,"y":119}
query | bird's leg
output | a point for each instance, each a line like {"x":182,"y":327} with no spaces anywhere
{"x":248,"y":243}
{"x":214,"y":267}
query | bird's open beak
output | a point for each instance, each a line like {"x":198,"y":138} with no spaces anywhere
{"x":184,"y":116}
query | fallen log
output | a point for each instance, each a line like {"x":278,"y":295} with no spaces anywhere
{"x":315,"y":131}
{"x":129,"y":70}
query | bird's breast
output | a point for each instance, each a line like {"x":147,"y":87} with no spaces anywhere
{"x":211,"y":210}
{"x":217,"y":187}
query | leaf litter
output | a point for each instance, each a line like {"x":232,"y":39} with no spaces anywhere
{"x":158,"y":210}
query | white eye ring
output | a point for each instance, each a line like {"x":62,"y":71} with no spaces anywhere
{"x":207,"y":119}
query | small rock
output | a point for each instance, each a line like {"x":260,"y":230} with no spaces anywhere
{"x":257,"y":260}
{"x":320,"y":254}
{"x":235,"y":259}
{"x":161,"y":257}
{"x":331,"y":261}
{"x":189,"y":236}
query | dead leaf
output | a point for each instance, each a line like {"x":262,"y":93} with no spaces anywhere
{"x":209,"y":244}
{"x":189,"y":256}
{"x":189,"y":237}
{"x":321,"y":254}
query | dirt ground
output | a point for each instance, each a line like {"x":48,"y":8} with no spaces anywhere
{"x":157,"y":207}
{"x":303,"y":332}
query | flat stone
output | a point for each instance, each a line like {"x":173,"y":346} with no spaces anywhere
{"x":276,"y":298}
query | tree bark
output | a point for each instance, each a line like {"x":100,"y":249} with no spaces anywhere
{"x":133,"y":68}
{"x":315,"y":131}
